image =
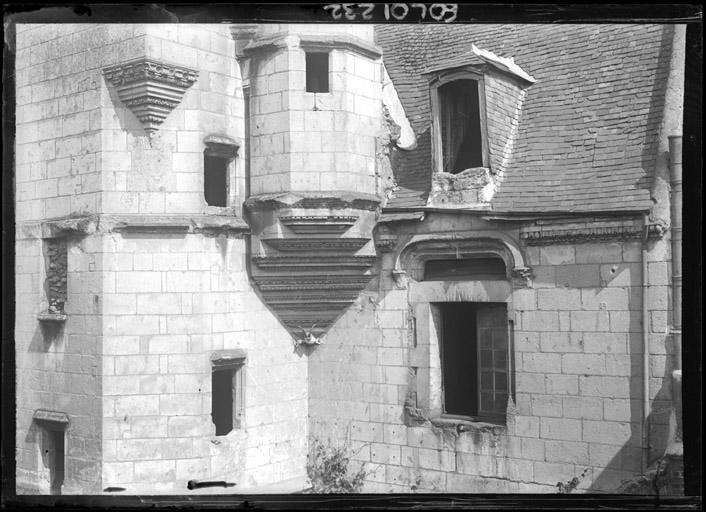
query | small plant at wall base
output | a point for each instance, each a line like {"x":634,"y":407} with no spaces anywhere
{"x":329,"y":469}
{"x":571,"y":485}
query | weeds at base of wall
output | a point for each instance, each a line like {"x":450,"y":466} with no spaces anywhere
{"x":658,"y":480}
{"x":570,"y":485}
{"x":330,"y":471}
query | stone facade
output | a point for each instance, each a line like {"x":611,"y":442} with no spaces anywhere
{"x":110,"y":179}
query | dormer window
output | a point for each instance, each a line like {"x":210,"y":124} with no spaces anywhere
{"x":459,"y":133}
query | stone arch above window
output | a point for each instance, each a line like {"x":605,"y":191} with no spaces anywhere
{"x":412,"y":256}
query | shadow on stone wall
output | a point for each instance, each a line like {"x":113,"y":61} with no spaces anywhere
{"x":625,"y":467}
{"x":655,"y":114}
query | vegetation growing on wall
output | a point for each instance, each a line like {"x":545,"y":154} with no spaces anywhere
{"x":329,"y":469}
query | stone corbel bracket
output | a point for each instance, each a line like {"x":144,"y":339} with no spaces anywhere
{"x":151,"y":89}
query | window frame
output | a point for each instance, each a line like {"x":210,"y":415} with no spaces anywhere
{"x":437,"y":309}
{"x":312,"y":51}
{"x":226,"y":149}
{"x":439,"y":79}
{"x":235,"y":365}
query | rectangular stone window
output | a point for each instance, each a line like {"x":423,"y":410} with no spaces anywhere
{"x":475,"y":360}
{"x":215,"y":180}
{"x":317,"y":72}
{"x":227,"y":391}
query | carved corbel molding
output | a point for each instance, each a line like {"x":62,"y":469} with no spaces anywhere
{"x":522,"y":276}
{"x":151,"y":89}
{"x":401,"y":278}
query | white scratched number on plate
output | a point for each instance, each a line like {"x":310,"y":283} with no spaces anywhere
{"x":352,"y":12}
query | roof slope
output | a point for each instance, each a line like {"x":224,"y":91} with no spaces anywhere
{"x":588,"y":130}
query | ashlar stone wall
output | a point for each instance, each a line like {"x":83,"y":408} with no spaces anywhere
{"x":578,"y":360}
{"x":146,"y":306}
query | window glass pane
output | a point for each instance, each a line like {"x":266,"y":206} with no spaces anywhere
{"x":501,"y":381}
{"x":500,"y":402}
{"x":500,"y":359}
{"x":486,"y":338}
{"x":486,"y":401}
{"x":486,"y":381}
{"x":486,"y":359}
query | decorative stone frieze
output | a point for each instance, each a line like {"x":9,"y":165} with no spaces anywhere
{"x":151,"y":89}
{"x":318,"y":243}
{"x":320,"y":263}
{"x":587,"y":230}
{"x":308,"y":224}
{"x":385,"y":244}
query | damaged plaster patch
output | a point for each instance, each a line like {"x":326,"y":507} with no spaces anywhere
{"x":406,"y":140}
{"x":471,"y":188}
{"x":385,"y":148}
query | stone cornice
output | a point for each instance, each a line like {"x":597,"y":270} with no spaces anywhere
{"x":84,"y":225}
{"x":588,"y":231}
{"x":320,"y":42}
{"x":312,"y":200}
{"x":151,"y":89}
{"x":340,"y":41}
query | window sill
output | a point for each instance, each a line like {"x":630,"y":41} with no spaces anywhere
{"x":52,"y":317}
{"x":468,"y":423}
{"x":181,"y":223}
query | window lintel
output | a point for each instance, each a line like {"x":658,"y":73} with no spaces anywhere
{"x":228,"y":358}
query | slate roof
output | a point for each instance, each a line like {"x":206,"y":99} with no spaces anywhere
{"x":587,"y":137}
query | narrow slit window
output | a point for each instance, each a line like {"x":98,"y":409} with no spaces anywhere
{"x":215,"y":180}
{"x":475,"y":359}
{"x":53,"y":456}
{"x":460,"y":122}
{"x":227,"y":394}
{"x":317,"y":72}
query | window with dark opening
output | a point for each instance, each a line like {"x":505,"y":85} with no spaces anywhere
{"x":317,"y":72}
{"x":460,"y":123}
{"x":215,"y":180}
{"x":475,"y":359}
{"x":227,"y":394}
{"x":487,"y":268}
{"x":52,"y":447}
